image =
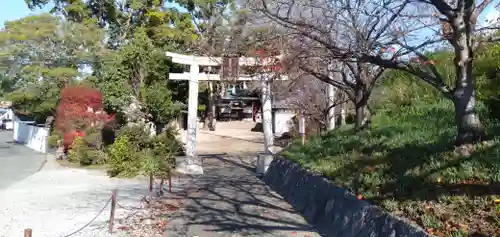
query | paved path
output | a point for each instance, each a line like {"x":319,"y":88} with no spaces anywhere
{"x":229,"y":200}
{"x":17,"y":162}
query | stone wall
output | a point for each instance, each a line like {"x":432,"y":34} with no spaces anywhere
{"x":332,"y":210}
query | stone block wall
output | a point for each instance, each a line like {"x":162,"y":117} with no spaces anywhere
{"x":332,"y":210}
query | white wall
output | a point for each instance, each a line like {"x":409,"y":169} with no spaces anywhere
{"x":31,"y":136}
{"x":283,"y":122}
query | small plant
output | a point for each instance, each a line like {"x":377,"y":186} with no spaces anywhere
{"x":81,"y":153}
{"x":54,"y":138}
{"x":128,"y":152}
{"x":135,"y":152}
{"x":123,"y":159}
{"x":137,"y":135}
{"x":160,"y":158}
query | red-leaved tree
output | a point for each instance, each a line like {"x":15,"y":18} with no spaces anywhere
{"x":79,"y":109}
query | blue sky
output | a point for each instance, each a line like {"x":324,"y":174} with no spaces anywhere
{"x":16,"y":9}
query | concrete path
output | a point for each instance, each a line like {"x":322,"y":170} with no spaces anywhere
{"x":229,"y":200}
{"x":17,"y":162}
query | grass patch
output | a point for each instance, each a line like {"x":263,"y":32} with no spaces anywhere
{"x":407,"y":165}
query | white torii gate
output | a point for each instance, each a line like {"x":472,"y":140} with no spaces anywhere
{"x":192,"y":164}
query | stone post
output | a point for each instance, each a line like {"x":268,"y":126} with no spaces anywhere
{"x":267,"y":118}
{"x":212,"y":107}
{"x":302,"y":126}
{"x":264,"y":160}
{"x":331,"y":94}
{"x":342,"y":113}
{"x":192,"y":111}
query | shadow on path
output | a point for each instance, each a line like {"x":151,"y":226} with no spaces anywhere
{"x":229,"y":200}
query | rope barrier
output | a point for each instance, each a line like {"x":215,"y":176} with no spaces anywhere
{"x":100,"y":230}
{"x":98,"y":214}
{"x":112,"y":200}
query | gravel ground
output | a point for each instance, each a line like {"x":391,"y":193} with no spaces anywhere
{"x":228,"y":201}
{"x":58,"y":201}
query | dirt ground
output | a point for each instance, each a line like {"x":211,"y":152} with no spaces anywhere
{"x":230,"y":137}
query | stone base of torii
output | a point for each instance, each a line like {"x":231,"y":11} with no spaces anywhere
{"x":191,"y":163}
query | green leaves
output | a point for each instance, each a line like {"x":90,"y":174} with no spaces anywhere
{"x":140,"y":69}
{"x":123,"y":18}
{"x":159,"y":103}
{"x":40,"y":55}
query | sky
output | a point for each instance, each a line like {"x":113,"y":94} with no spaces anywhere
{"x":490,"y":14}
{"x":16,"y":9}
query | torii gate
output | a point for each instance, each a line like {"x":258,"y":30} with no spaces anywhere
{"x":191,"y":164}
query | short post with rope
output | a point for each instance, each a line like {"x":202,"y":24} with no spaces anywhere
{"x":151,"y":181}
{"x":112,"y":213}
{"x":170,"y":181}
{"x":162,"y":183}
{"x":28,"y":232}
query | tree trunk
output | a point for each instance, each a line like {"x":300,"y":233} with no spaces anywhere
{"x":363,"y":117}
{"x":469,"y":126}
{"x":331,"y":112}
{"x":363,"y":114}
{"x":162,"y":185}
{"x":342,"y":110}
